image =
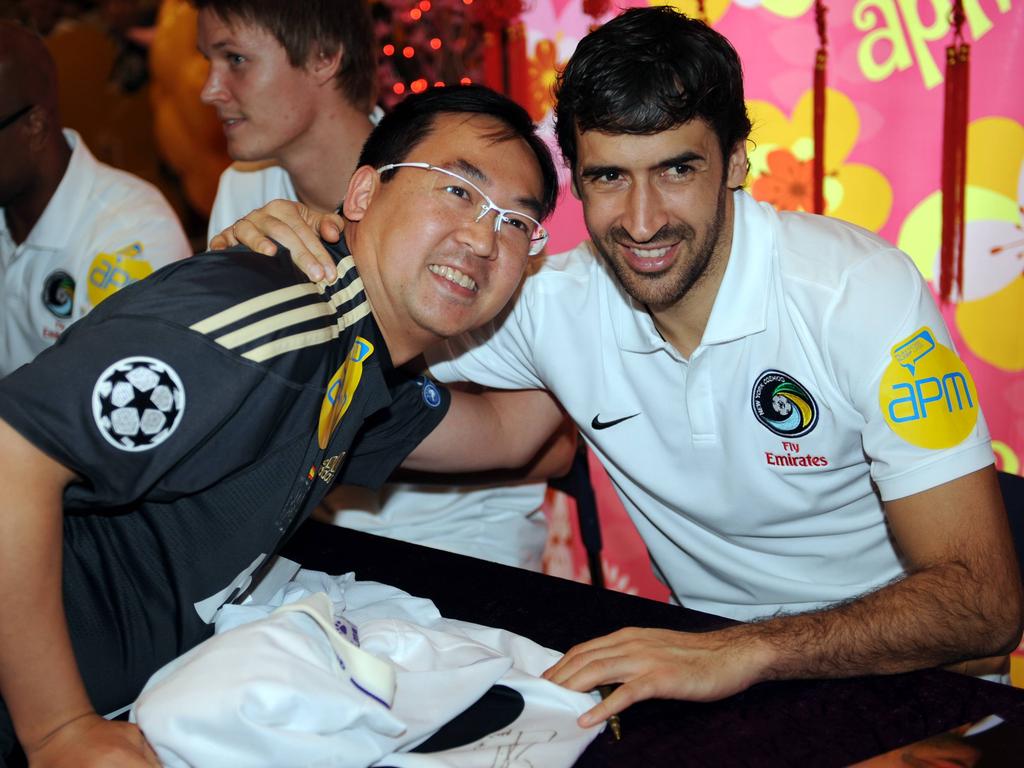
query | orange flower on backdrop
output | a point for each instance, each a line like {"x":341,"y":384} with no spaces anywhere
{"x":787,"y":183}
{"x":782,"y":152}
{"x":990,"y":316}
{"x":542,"y":72}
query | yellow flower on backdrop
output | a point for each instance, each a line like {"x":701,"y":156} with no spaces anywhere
{"x":715,"y":9}
{"x":782,"y":151}
{"x":991,"y":315}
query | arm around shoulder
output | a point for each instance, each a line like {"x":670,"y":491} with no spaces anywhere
{"x":491,"y":430}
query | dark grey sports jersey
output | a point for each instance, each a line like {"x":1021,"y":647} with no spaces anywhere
{"x":207,"y":410}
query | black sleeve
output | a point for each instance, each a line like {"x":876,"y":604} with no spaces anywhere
{"x":417,"y":407}
{"x":129,"y":403}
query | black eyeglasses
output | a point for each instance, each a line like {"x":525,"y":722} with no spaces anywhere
{"x":16,"y":116}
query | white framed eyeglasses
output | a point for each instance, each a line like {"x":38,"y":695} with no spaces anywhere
{"x":468,"y":201}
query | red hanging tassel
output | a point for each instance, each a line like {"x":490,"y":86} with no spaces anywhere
{"x":596,"y":8}
{"x":504,"y":54}
{"x":494,"y":60}
{"x":820,"y":60}
{"x":516,"y":64}
{"x":954,"y":158}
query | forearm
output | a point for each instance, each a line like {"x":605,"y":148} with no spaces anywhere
{"x":938,"y":615}
{"x":553,"y":460}
{"x":39,"y":679}
{"x":492,"y":430}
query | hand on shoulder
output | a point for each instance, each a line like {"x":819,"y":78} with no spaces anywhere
{"x":295,"y":226}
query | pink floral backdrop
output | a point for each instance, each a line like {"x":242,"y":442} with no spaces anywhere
{"x":883,"y":138}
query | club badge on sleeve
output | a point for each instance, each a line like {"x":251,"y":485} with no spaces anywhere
{"x":137,"y":403}
{"x":926,"y":394}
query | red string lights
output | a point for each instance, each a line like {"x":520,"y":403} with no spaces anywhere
{"x":428,"y":43}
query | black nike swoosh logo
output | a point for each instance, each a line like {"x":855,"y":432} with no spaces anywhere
{"x":598,"y":424}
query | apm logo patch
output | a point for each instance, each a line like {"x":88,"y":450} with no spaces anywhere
{"x":110,"y":272}
{"x":783,"y":404}
{"x":340,"y":389}
{"x":926,"y":394}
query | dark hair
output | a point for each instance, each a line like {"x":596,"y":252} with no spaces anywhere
{"x":650,"y":70}
{"x":305,"y":28}
{"x":412,"y":120}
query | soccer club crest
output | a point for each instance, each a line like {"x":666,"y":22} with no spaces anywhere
{"x":429,"y":391}
{"x":59,"y":294}
{"x":137,"y":403}
{"x":783,"y":404}
{"x":340,"y":389}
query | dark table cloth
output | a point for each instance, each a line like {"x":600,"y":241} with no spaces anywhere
{"x":798,"y":723}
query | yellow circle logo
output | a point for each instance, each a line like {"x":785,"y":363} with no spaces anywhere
{"x":927,"y":395}
{"x":110,"y":272}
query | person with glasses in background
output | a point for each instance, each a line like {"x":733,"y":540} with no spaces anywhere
{"x":72,"y":229}
{"x":154,"y":461}
{"x":294,"y":86}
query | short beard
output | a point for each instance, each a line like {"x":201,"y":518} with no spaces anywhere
{"x":658,"y":291}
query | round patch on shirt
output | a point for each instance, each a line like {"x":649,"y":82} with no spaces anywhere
{"x":137,"y":403}
{"x":110,"y":272}
{"x":59,"y":294}
{"x":926,"y":394}
{"x":783,"y":404}
{"x":431,"y":394}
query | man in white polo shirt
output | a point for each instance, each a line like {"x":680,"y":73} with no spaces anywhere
{"x":775,"y":397}
{"x":72,"y":230}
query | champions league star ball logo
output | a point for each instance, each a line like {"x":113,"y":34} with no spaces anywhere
{"x":137,"y":403}
{"x":783,"y":404}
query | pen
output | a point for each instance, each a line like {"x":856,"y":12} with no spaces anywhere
{"x":613,"y":721}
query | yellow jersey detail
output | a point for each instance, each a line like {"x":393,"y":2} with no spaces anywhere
{"x":110,"y":272}
{"x":340,"y":390}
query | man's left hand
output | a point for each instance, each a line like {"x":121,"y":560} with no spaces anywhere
{"x":661,"y":664}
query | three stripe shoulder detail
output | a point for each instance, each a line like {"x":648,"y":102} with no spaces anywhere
{"x":291,"y":318}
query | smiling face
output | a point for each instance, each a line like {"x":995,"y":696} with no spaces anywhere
{"x":430,"y":269}
{"x":658,"y":207}
{"x":264,"y":103}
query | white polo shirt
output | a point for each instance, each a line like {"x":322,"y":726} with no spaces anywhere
{"x":244,"y":187}
{"x":500,"y":523}
{"x":751,"y":469}
{"x":102,"y":230}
